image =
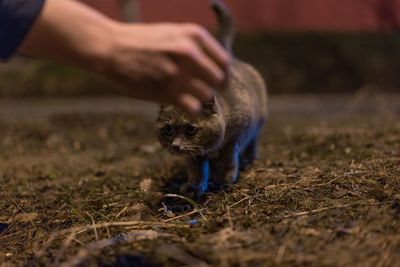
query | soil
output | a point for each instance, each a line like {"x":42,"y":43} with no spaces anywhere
{"x":84,"y":182}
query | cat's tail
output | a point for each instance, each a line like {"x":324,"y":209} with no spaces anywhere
{"x":226,"y":30}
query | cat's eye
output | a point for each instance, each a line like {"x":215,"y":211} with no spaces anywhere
{"x":168,"y":130}
{"x":191,"y":130}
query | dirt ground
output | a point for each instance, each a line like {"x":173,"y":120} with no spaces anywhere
{"x":85,"y":183}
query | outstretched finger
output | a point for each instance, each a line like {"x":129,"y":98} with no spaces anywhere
{"x":214,"y":50}
{"x":189,"y":104}
{"x":200,"y":90}
{"x":199,"y":65}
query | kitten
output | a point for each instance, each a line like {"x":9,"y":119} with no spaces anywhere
{"x":224,"y":137}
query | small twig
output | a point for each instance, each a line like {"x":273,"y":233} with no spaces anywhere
{"x":299,"y":183}
{"x":102,"y":215}
{"x":180,"y":216}
{"x":357,"y":172}
{"x":108,"y":232}
{"x":1,"y":237}
{"x":94,"y":224}
{"x":253,"y":198}
{"x":195,"y":205}
{"x":240,"y":201}
{"x":303,"y":213}
{"x":166,"y":225}
{"x":122,"y":211}
{"x":229,"y":217}
{"x":79,"y":242}
{"x":279,"y":255}
{"x":238,"y":190}
{"x":330,"y":181}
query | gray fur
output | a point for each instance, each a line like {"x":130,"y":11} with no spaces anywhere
{"x":224,"y":137}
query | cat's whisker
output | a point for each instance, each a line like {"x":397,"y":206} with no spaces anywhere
{"x":194,"y":148}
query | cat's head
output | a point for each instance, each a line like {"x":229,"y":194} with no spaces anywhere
{"x":189,"y":136}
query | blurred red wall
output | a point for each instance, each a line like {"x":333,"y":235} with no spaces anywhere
{"x":275,"y":15}
{"x":110,"y":8}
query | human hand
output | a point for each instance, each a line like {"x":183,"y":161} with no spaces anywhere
{"x":166,"y":63}
{"x":178,"y":64}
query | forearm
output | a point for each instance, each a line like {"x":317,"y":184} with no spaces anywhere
{"x":69,"y":32}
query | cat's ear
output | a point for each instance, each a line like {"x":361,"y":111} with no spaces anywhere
{"x":210,"y":108}
{"x":165,"y":108}
{"x":162,"y":113}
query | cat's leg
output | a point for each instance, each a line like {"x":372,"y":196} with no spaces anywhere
{"x":249,"y":153}
{"x":198,"y":171}
{"x":214,"y":183}
{"x":227,"y":164}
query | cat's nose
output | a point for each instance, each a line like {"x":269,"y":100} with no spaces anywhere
{"x":176,"y":148}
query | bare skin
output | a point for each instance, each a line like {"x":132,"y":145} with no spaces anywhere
{"x":179,"y":64}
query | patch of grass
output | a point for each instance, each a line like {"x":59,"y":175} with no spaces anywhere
{"x":50,"y":174}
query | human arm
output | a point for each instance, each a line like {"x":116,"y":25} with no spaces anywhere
{"x":167,"y":63}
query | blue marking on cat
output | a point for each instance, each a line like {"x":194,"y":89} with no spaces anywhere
{"x":205,"y":169}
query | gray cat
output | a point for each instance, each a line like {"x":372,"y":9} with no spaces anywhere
{"x":224,"y":137}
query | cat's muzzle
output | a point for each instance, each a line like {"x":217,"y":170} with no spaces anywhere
{"x":184,"y":152}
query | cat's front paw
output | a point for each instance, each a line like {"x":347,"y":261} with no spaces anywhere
{"x":231,"y":176}
{"x":227,"y":176}
{"x":190,"y":190}
{"x":224,"y":179}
